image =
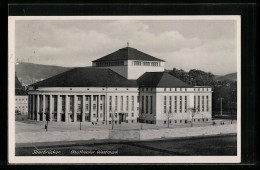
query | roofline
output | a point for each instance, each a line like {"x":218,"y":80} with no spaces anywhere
{"x":97,"y":60}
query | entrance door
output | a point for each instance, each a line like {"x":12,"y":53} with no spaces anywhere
{"x":121,"y":117}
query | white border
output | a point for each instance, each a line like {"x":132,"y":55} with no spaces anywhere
{"x":12,"y":159}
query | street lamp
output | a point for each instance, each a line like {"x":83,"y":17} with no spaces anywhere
{"x":221,"y":98}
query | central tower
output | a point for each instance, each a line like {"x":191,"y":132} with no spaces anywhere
{"x":130,"y":63}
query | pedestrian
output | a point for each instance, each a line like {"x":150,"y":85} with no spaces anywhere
{"x":46,"y":127}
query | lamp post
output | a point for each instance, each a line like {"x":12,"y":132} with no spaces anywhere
{"x":221,"y":98}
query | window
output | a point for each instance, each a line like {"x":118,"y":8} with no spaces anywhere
{"x":151,"y":104}
{"x":86,"y":107}
{"x":142,"y":104}
{"x":133,"y":106}
{"x":164,"y":89}
{"x":55,"y":103}
{"x":146,"y":104}
{"x":41,"y":103}
{"x":195,"y":103}
{"x":95,"y":98}
{"x":110,"y":103}
{"x":198,"y":103}
{"x":95,"y":107}
{"x":202,"y":104}
{"x":132,"y":114}
{"x":207,"y":103}
{"x":122,"y":103}
{"x":170,"y":104}
{"x":71,"y":103}
{"x":110,"y":115}
{"x":101,"y":106}
{"x":116,"y":103}
{"x":79,"y":103}
{"x":175,"y":104}
{"x":127,"y":102}
{"x":180,"y":104}
{"x":164,"y":105}
{"x":185,"y":104}
{"x":63,"y":103}
{"x":94,"y":115}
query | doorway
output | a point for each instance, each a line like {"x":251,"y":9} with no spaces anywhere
{"x":121,"y":117}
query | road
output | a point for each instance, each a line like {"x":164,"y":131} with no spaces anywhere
{"x":198,"y":146}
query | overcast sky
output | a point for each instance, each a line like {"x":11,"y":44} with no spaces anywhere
{"x":206,"y":45}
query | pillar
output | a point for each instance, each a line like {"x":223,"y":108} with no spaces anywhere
{"x":83,"y":108}
{"x":75,"y":108}
{"x":29,"y":106}
{"x":51,"y":107}
{"x":66,"y":108}
{"x":58,"y":108}
{"x":91,"y":108}
{"x":43,"y":108}
{"x":38,"y":107}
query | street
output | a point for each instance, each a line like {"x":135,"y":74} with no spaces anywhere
{"x":219,"y":145}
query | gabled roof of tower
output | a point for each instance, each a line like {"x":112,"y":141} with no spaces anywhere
{"x":128,"y":53}
{"x":87,"y":77}
{"x":160,"y":79}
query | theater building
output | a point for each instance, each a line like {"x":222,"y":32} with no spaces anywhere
{"x":125,"y":86}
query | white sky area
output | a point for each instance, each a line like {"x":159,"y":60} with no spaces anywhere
{"x":208,"y":45}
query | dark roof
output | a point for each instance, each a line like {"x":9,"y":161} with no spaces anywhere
{"x":20,"y":92}
{"x":160,"y":79}
{"x":17,"y":83}
{"x":19,"y":88}
{"x":87,"y":77}
{"x":127,"y":53}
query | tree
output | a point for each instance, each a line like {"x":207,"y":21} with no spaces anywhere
{"x":142,"y":117}
{"x":112,"y":118}
{"x":192,"y":112}
{"x":169,"y":115}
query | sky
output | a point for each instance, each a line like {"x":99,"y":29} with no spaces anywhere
{"x":208,"y":45}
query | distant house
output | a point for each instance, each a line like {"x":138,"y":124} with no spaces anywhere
{"x":129,"y":84}
{"x":21,"y":98}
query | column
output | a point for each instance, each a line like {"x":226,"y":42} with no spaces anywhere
{"x":83,"y":108}
{"x":66,"y":108}
{"x":90,"y":108}
{"x":33,"y":107}
{"x":29,"y":106}
{"x":75,"y":108}
{"x":98,"y":103}
{"x":58,"y":108}
{"x":38,"y":107}
{"x":51,"y":107}
{"x":43,"y":108}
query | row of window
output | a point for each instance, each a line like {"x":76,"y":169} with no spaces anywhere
{"x":115,"y":115}
{"x":126,"y":121}
{"x":169,"y":109}
{"x":21,"y":99}
{"x":200,"y":101}
{"x":145,"y":104}
{"x":176,"y":89}
{"x":146,"y":63}
{"x":121,"y":103}
{"x":110,"y":63}
{"x":20,"y":107}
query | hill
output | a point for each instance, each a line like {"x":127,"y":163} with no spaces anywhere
{"x":29,"y":73}
{"x":231,"y":76}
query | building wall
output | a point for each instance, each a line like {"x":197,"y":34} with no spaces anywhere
{"x":21,"y":104}
{"x":153,"y":112}
{"x":89,"y":103}
{"x":180,"y":116}
{"x":132,"y":72}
